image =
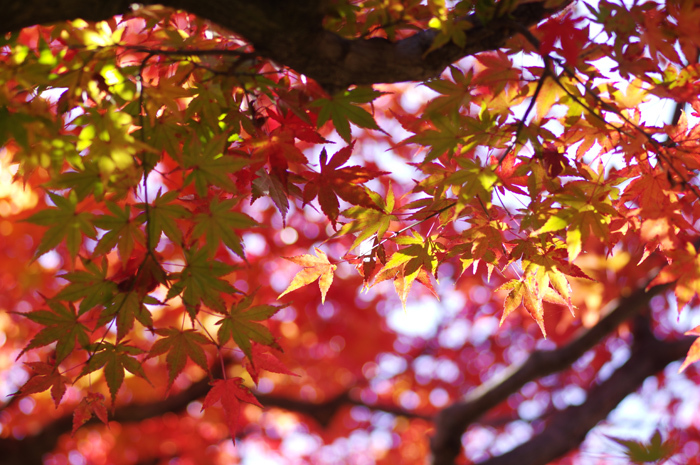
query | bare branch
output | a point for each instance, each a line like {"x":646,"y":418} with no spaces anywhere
{"x":31,"y":449}
{"x":454,"y":420}
{"x":568,"y":428}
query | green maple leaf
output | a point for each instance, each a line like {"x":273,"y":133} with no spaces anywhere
{"x":219,"y":224}
{"x":421,"y":252}
{"x":370,"y":222}
{"x":472,"y":180}
{"x":180,"y":345}
{"x":127,"y":307}
{"x":412,"y":263}
{"x":443,"y":139}
{"x":586,"y":210}
{"x":115,"y":359}
{"x":455,"y":95}
{"x":210,"y":167}
{"x":61,"y":326}
{"x":199,"y":282}
{"x":64,"y":223}
{"x":83,"y":182}
{"x":122,"y":231}
{"x":341,"y":109}
{"x":162,"y":216}
{"x":91,"y":285}
{"x":656,"y":450}
{"x":241,"y":325}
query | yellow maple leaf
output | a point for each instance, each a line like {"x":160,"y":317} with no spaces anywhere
{"x":314,"y":268}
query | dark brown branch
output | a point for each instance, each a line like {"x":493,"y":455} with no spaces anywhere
{"x":31,"y":449}
{"x":291,"y":34}
{"x":568,"y":428}
{"x":454,"y":420}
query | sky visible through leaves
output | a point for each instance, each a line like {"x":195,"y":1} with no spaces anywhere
{"x":294,"y":193}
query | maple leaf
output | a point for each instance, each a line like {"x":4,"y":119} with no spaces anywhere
{"x":369,"y":221}
{"x":445,"y":138}
{"x":482,"y":242}
{"x":586,"y":211}
{"x":341,"y":110}
{"x":84,"y":182}
{"x":685,"y":270}
{"x":64,"y":223}
{"x":219,"y":224}
{"x":455,"y":95}
{"x":298,"y":126}
{"x":694,"y":352}
{"x":92,"y":404}
{"x":91,"y":285}
{"x":61,"y":325}
{"x":412,"y":263}
{"x":472,"y":180}
{"x":241,"y":325}
{"x":122,"y":231}
{"x":230,"y":392}
{"x":209,"y":166}
{"x":115,"y":359}
{"x":199,"y":282}
{"x":127,"y":307}
{"x":522,"y":292}
{"x":314,"y":268}
{"x":180,"y":345}
{"x":656,"y":450}
{"x":564,"y":29}
{"x":333,"y":182}
{"x":498,"y":71}
{"x":45,"y":376}
{"x":263,"y":358}
{"x":265,"y":184}
{"x":161,"y":218}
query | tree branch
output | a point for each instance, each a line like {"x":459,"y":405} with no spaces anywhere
{"x":453,"y":421}
{"x":31,"y":449}
{"x":568,"y":428}
{"x":291,"y":34}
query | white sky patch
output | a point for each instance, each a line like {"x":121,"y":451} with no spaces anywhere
{"x":420,"y":318}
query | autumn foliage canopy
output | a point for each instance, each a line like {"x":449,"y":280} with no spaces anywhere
{"x":349,"y":232}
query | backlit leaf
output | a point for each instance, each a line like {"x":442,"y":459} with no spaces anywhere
{"x":314,"y":268}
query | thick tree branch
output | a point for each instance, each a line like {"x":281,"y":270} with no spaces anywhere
{"x":291,"y":34}
{"x":454,"y":420}
{"x":568,"y":428}
{"x":31,"y":449}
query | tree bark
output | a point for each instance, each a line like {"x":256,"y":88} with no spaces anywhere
{"x":291,"y":34}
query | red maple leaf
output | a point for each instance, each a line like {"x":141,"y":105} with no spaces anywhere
{"x":564,"y":29}
{"x":45,"y":376}
{"x":230,"y":392}
{"x":92,"y":404}
{"x":333,"y":182}
{"x":263,"y":359}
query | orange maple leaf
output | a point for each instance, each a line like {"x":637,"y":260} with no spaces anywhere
{"x":694,"y":352}
{"x":314,"y":268}
{"x":685,"y":270}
